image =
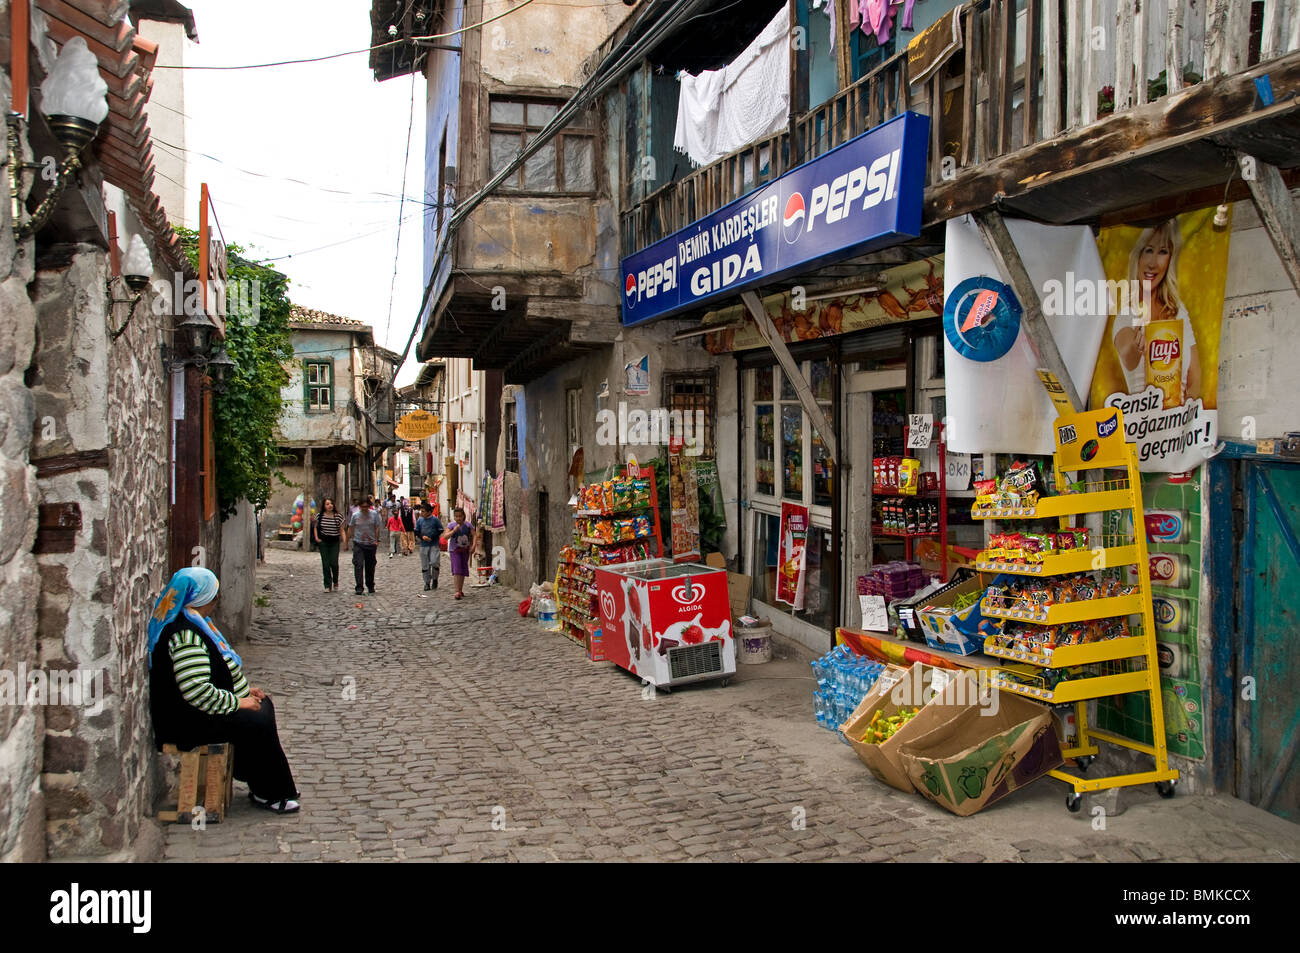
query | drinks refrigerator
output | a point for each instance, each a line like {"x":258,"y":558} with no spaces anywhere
{"x":669,"y":623}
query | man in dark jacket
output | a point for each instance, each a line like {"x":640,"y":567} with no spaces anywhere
{"x":427,"y":530}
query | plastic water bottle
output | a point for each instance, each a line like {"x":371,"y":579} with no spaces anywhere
{"x":547,"y":613}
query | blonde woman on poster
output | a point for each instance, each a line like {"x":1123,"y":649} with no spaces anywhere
{"x":1154,"y":340}
{"x":1159,"y":360}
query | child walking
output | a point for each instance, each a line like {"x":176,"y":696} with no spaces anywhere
{"x":458,"y":537}
{"x":394,"y":532}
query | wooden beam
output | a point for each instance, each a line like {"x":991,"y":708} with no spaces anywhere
{"x":998,"y":240}
{"x":1209,"y":109}
{"x":1278,"y":212}
{"x":1029,"y":126}
{"x":1174,"y":47}
{"x":791,"y":368}
{"x":1053,"y":32}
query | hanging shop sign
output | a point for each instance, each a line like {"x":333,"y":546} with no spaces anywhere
{"x":863,"y":195}
{"x":417,"y":425}
{"x":791,"y":558}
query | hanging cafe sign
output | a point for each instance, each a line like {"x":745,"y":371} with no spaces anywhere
{"x":416,"y":425}
{"x":863,"y":195}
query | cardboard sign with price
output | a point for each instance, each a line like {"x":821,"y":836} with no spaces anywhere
{"x":920,"y":428}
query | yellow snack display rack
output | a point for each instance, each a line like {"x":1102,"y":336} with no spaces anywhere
{"x":1088,"y":444}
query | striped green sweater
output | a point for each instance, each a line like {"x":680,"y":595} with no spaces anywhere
{"x":194,"y":675}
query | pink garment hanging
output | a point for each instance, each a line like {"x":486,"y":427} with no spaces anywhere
{"x":906,"y":23}
{"x":830,"y":12}
{"x":855,"y":15}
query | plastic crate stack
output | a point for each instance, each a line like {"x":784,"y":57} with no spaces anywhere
{"x":843,"y":678}
{"x":894,"y":580}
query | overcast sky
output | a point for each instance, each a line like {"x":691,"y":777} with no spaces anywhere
{"x":328,"y":124}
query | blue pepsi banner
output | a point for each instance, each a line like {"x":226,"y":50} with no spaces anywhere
{"x":863,"y":195}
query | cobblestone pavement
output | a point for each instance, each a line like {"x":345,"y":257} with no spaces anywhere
{"x":467,"y":719}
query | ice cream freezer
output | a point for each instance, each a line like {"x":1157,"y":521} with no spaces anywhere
{"x":669,"y":623}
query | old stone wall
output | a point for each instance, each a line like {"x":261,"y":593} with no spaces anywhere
{"x":106,"y":402}
{"x":22,"y":727}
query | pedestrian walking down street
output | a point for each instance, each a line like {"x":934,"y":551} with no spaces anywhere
{"x":328,"y":534}
{"x":394,"y":533}
{"x":428,"y":528}
{"x":459,"y":536}
{"x":408,"y":527}
{"x":199,"y":695}
{"x":364,"y":529}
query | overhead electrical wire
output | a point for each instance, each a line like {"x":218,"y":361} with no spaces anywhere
{"x":397,"y":250}
{"x":382,"y":46}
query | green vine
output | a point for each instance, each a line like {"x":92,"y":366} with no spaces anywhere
{"x":247,"y":408}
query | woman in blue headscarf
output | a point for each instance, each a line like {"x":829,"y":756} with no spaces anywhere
{"x":198,"y":693}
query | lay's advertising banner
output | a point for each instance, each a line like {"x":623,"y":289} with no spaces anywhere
{"x":863,"y":195}
{"x":1159,"y":359}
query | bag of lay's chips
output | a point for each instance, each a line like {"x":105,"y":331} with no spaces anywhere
{"x":1165,"y":352}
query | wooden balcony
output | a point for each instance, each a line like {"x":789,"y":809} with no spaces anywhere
{"x":1042,"y":95}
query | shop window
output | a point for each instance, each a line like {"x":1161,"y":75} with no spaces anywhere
{"x":573,"y":418}
{"x":318,"y":385}
{"x":567,"y":163}
{"x":694,"y":396}
{"x":512,"y":439}
{"x":790,"y":460}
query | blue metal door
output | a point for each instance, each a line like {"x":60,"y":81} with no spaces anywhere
{"x":1268,"y":663}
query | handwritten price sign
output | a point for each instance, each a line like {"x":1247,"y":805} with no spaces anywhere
{"x":920,"y":428}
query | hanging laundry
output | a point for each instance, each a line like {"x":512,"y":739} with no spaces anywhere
{"x":723,"y":110}
{"x":830,"y":12}
{"x":906,"y":22}
{"x":855,"y":15}
{"x":499,"y":503}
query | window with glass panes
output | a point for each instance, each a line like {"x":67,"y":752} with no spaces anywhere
{"x":318,"y":385}
{"x":691,"y":394}
{"x":790,"y":460}
{"x":567,"y":163}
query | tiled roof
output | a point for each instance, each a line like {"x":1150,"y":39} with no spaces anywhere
{"x":123,"y":149}
{"x":300,"y":315}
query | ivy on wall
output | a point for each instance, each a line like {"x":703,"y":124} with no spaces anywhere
{"x":247,"y":408}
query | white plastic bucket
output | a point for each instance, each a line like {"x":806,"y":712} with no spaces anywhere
{"x":755,"y":644}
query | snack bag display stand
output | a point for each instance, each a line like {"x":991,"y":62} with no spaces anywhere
{"x":1077,"y":643}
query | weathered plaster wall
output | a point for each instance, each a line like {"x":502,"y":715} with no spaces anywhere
{"x":1258,"y":384}
{"x":544,"y":235}
{"x":166,"y":109}
{"x":544,"y":446}
{"x":545,"y":44}
{"x":22,"y":728}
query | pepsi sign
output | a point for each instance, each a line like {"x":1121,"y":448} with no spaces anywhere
{"x":863,"y":195}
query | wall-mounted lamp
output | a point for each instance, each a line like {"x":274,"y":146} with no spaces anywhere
{"x":74,"y":99}
{"x":197,"y":332}
{"x":137,"y":268}
{"x":220,"y":366}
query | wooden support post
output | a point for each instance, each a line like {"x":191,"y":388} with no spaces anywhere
{"x":998,"y":239}
{"x":791,"y":368}
{"x":1053,"y":34}
{"x":1278,"y":212}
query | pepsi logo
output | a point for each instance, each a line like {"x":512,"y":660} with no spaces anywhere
{"x":607,"y":606}
{"x":629,"y":289}
{"x":793,"y":222}
{"x":684,"y":598}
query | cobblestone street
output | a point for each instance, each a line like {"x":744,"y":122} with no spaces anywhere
{"x":467,"y":718}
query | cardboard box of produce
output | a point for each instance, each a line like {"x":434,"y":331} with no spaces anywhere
{"x":912,"y":688}
{"x":942,"y":627}
{"x":965,"y":755}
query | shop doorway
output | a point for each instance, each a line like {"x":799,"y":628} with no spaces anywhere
{"x":876,"y":403}
{"x":1267,"y":709}
{"x":543,"y":537}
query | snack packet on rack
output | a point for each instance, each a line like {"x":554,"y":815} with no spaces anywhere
{"x":622,"y":496}
{"x":1024,"y":480}
{"x":640,"y":526}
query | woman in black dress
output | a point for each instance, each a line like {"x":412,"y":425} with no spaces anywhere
{"x":199,"y":696}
